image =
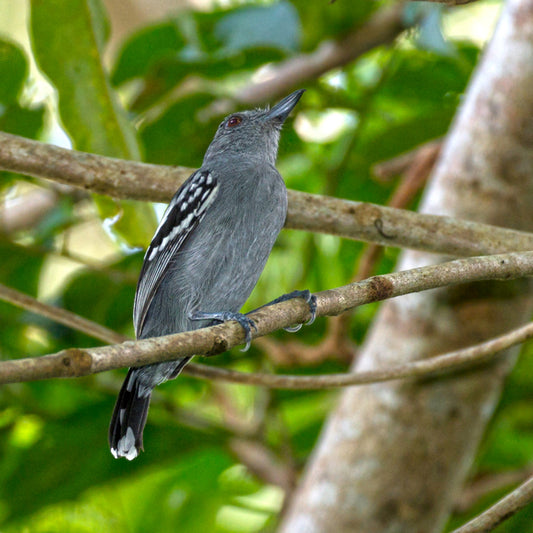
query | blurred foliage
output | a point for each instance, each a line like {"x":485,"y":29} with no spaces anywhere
{"x":15,"y":116}
{"x":55,"y":468}
{"x":89,"y":109}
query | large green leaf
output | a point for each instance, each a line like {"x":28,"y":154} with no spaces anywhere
{"x":68,"y":38}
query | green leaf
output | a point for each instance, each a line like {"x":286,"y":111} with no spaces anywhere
{"x":22,"y":121}
{"x":13,"y":71}
{"x":15,"y":118}
{"x":170,"y":71}
{"x":145,"y":49}
{"x":427,"y":78}
{"x":20,"y":270}
{"x":324,"y":20}
{"x":104,"y":297}
{"x":68,"y":48}
{"x":204,"y":44}
{"x":178,"y":136}
{"x":276,"y":25}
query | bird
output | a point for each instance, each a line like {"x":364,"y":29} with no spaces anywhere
{"x":207,"y":254}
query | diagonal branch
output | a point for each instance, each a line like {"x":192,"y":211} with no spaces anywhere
{"x":62,"y":316}
{"x":307,"y":212}
{"x":503,"y":509}
{"x":216,"y":339}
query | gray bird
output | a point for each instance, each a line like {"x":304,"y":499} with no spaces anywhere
{"x":207,"y":254}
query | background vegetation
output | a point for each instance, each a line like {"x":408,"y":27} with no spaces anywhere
{"x":218,"y":457}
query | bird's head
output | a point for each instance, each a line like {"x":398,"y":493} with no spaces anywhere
{"x":253,"y":134}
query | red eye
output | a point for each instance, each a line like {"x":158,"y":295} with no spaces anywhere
{"x":234,"y":121}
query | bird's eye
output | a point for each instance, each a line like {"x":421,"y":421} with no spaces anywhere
{"x":234,"y":121}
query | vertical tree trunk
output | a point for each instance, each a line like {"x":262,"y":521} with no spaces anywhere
{"x":392,"y":456}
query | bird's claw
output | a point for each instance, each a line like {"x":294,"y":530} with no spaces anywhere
{"x":306,"y":295}
{"x":310,"y":298}
{"x":246,"y":323}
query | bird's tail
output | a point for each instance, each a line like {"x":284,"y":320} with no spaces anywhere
{"x":129,"y":417}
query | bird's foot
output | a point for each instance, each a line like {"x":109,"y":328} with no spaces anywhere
{"x":224,"y":316}
{"x":309,"y":297}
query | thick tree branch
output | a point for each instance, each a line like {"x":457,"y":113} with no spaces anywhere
{"x":501,"y":510}
{"x":210,"y":341}
{"x":307,"y":212}
{"x":426,"y":434}
{"x":103,"y":175}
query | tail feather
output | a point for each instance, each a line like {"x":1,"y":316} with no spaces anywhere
{"x":129,"y":417}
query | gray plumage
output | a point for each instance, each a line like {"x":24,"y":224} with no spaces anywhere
{"x":207,"y":253}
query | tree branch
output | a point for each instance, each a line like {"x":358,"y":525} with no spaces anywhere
{"x":426,"y":434}
{"x":27,"y":210}
{"x":488,"y":483}
{"x":62,"y":316}
{"x":382,"y":28}
{"x":501,"y":510}
{"x":103,"y":175}
{"x":76,"y":362}
{"x":307,"y":212}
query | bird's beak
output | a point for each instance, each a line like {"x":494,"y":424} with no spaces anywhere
{"x":282,"y":109}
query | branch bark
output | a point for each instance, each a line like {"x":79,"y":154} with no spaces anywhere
{"x":307,"y":212}
{"x":393,"y":456}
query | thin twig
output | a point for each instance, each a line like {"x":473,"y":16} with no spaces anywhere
{"x":488,"y":483}
{"x":501,"y":510}
{"x":385,"y":170}
{"x":62,"y":316}
{"x":76,"y":362}
{"x":307,"y":212}
{"x":262,"y":462}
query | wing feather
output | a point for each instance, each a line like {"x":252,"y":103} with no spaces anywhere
{"x":183,"y":214}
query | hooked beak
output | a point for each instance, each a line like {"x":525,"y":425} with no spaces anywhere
{"x":282,"y":109}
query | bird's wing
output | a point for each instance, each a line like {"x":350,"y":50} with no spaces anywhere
{"x":185,"y":211}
